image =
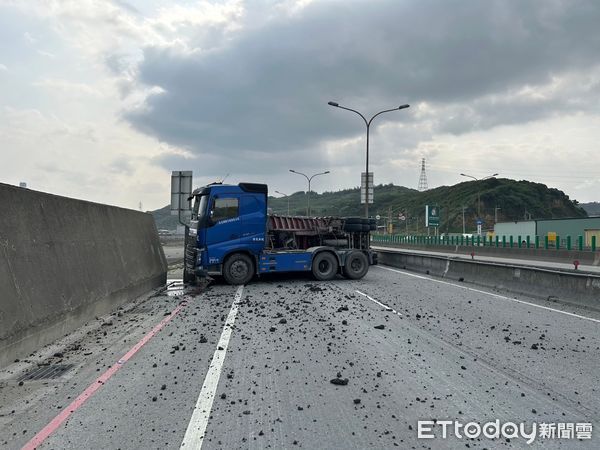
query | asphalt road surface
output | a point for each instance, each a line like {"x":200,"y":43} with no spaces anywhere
{"x":252,"y":367}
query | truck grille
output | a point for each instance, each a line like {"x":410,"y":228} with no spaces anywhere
{"x":190,"y":253}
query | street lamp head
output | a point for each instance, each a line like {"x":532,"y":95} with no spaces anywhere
{"x":495,"y":175}
{"x":403,"y":106}
{"x":463,"y":175}
{"x":292,"y":170}
{"x":333,"y":104}
{"x":325,"y":172}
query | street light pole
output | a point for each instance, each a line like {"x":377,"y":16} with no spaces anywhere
{"x":288,"y":199}
{"x":368,"y":124}
{"x":479,"y":193}
{"x":309,"y":179}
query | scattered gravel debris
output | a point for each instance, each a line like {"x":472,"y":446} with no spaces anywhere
{"x":339,"y":381}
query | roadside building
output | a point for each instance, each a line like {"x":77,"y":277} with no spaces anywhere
{"x":586,"y":227}
{"x":552,"y":228}
{"x":517,"y":229}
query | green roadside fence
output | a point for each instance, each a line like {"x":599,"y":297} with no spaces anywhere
{"x":556,"y":243}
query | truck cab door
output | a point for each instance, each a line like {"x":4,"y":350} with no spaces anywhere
{"x":224,"y":226}
{"x":253,"y":211}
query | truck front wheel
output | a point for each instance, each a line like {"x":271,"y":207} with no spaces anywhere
{"x":324,"y":266}
{"x":357,"y":265}
{"x":238,"y":269}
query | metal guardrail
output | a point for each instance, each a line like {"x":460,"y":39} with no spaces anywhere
{"x":479,"y":241}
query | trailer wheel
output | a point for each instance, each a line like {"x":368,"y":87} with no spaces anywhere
{"x":357,"y":265}
{"x":238,"y":269}
{"x":324,"y":266}
{"x":353,"y":227}
{"x":353,"y":220}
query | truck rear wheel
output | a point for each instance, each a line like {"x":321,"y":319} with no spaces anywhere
{"x":353,"y":227}
{"x":357,"y":265}
{"x":324,"y":266}
{"x":238,"y":269}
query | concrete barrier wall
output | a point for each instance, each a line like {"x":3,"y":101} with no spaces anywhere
{"x":562,"y":255}
{"x":555,"y":285}
{"x":64,"y":262}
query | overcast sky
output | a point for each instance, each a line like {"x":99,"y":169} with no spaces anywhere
{"x":101,"y":99}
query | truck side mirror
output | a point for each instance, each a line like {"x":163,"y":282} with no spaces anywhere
{"x":210,"y":221}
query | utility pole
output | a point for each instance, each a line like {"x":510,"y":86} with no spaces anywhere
{"x":496,"y":209}
{"x":463,"y":211}
{"x":423,"y":178}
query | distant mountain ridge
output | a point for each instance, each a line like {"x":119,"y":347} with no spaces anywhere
{"x":592,"y":208}
{"x":507,"y":199}
{"x":164,"y":220}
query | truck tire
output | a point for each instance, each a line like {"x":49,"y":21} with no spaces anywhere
{"x":238,"y":269}
{"x":353,"y":227}
{"x":324,"y":266}
{"x":353,"y":220}
{"x":357,"y":265}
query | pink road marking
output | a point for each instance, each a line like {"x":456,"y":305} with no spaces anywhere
{"x":92,"y":388}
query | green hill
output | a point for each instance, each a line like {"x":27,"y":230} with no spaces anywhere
{"x":516,"y":200}
{"x":164,"y":220}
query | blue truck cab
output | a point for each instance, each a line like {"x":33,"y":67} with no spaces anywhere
{"x":232,"y":235}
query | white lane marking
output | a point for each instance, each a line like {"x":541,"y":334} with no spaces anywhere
{"x":490,"y":294}
{"x":194,"y":434}
{"x":379,"y":303}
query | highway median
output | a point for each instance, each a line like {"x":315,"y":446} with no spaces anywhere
{"x":553,"y":284}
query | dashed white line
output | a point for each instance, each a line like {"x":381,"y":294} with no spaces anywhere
{"x":196,"y":429}
{"x":489,"y":293}
{"x":379,"y":303}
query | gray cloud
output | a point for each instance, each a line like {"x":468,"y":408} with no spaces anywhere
{"x":261,"y":95}
{"x":122,"y":164}
{"x":127,"y":6}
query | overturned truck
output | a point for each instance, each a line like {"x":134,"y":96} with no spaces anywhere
{"x":232,"y":235}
